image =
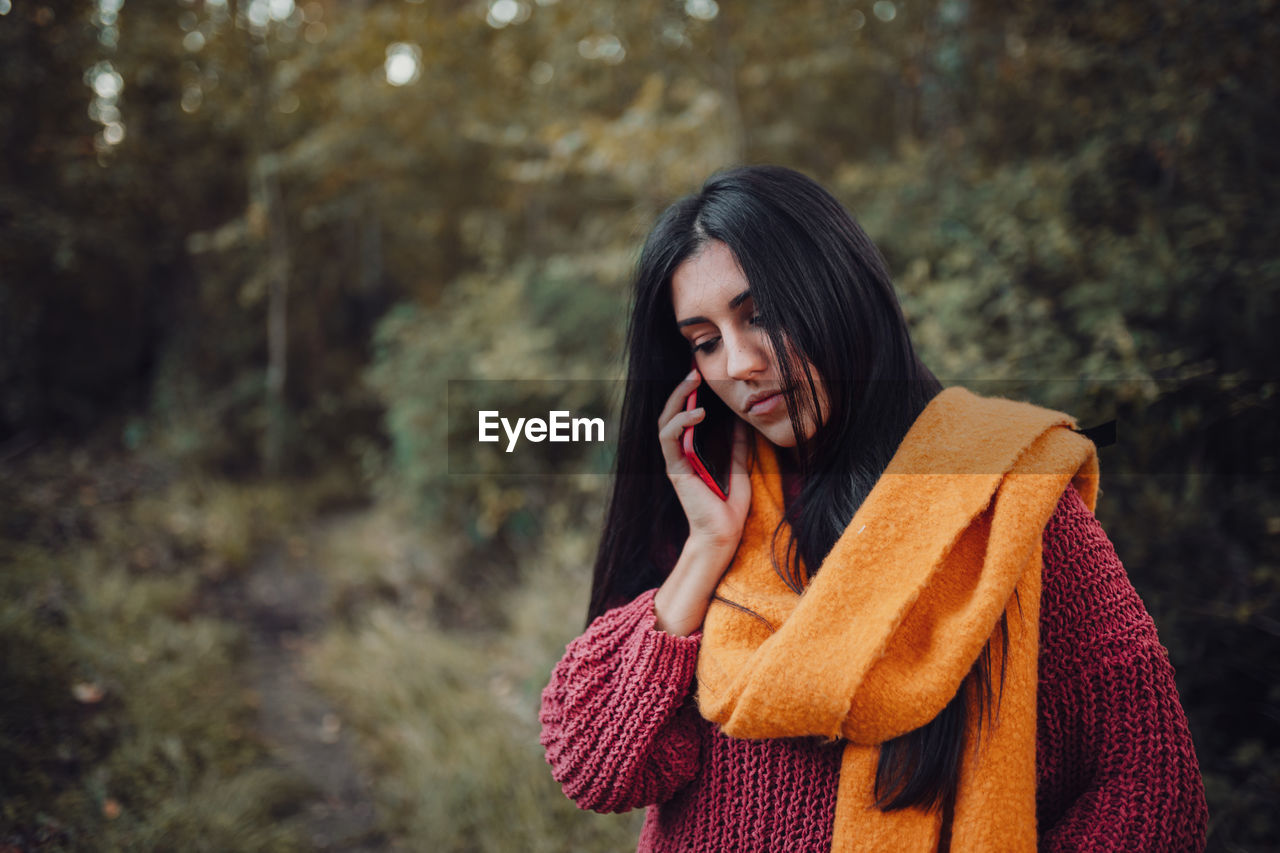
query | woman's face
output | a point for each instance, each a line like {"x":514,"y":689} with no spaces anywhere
{"x":716,"y":314}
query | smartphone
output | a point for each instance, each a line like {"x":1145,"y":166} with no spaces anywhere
{"x":708,"y":444}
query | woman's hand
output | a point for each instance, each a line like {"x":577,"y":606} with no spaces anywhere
{"x":715,"y":525}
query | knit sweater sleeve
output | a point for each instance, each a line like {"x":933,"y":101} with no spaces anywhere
{"x":617,"y":726}
{"x":1118,"y":770}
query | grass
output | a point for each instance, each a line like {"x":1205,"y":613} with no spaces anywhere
{"x":127,"y":719}
{"x":124,"y":722}
{"x":448,"y":718}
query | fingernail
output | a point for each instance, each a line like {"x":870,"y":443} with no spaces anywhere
{"x":692,"y":373}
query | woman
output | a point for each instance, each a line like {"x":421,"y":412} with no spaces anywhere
{"x":902,"y":630}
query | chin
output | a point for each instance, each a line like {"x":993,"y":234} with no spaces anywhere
{"x":780,"y":435}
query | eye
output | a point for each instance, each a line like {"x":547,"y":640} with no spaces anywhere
{"x":707,"y":345}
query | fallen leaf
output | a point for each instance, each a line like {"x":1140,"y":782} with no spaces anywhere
{"x":110,"y":808}
{"x":87,"y":692}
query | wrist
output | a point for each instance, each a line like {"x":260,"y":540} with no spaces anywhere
{"x":677,"y":617}
{"x":711,"y":549}
{"x":680,"y":604}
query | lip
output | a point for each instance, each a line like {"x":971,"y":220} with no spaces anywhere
{"x":763,"y":403}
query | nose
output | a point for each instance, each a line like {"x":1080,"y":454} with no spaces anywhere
{"x":746,"y":356}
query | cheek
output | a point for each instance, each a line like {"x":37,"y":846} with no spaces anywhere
{"x":712,"y":366}
{"x":721,"y":388}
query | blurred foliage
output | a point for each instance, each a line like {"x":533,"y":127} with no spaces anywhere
{"x":1078,"y":202}
{"x":124,"y":720}
{"x":449,"y":719}
{"x":522,"y":336}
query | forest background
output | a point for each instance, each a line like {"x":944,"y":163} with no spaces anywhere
{"x":246,"y":244}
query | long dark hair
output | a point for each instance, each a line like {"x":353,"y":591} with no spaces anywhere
{"x":823,"y":292}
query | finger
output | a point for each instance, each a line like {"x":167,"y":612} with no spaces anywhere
{"x":675,"y":403}
{"x":679,"y":395}
{"x":671,"y":436}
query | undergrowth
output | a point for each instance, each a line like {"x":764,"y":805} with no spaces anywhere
{"x":124,"y":722}
{"x":449,"y":718}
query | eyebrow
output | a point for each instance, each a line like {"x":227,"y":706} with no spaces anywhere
{"x":733,"y":303}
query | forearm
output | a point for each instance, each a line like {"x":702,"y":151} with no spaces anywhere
{"x":680,"y":604}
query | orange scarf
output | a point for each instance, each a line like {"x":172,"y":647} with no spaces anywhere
{"x":913,"y":589}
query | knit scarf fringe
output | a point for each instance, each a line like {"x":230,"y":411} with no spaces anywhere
{"x":880,"y":641}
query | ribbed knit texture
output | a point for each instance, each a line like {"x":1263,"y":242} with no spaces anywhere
{"x":1116,"y":769}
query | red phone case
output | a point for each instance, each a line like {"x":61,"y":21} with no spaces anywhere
{"x":686,"y":441}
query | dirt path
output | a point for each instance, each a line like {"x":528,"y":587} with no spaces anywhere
{"x":281,"y":603}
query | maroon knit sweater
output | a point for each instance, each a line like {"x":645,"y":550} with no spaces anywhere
{"x":1115,"y":766}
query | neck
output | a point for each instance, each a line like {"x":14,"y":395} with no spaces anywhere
{"x":788,"y":458}
{"x":789,"y":469}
